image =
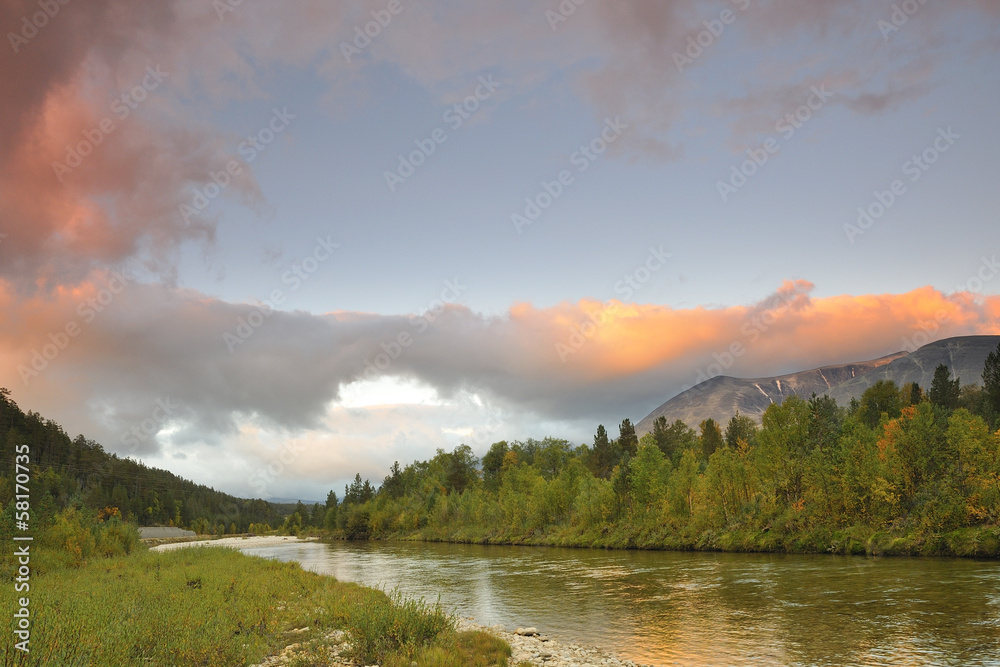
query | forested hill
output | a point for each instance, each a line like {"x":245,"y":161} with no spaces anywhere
{"x":78,"y":471}
{"x":901,"y":470}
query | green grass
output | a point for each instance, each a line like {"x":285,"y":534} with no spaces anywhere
{"x":210,"y":606}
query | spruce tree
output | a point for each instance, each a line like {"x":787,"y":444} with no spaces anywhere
{"x":944,"y":390}
{"x":991,"y":383}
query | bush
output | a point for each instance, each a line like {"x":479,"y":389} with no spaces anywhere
{"x":71,"y":535}
{"x":384,"y":624}
{"x":116,"y":538}
{"x":357,"y":526}
{"x":464,"y":649}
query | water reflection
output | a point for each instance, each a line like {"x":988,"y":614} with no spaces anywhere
{"x":699,"y":609}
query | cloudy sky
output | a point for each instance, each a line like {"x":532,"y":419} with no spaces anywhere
{"x":267,"y":245}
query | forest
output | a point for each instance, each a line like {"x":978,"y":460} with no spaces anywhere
{"x":899,"y":471}
{"x":79,"y":474}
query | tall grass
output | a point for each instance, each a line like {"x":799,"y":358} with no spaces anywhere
{"x":386,"y":624}
{"x":209,"y":607}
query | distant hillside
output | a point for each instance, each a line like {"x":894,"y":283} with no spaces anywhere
{"x":720,"y":397}
{"x":79,"y":472}
{"x":965,"y":356}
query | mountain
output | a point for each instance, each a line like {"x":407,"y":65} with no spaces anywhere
{"x":721,"y":396}
{"x":965,"y":356}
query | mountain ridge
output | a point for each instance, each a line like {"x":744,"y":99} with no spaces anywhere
{"x":720,"y":397}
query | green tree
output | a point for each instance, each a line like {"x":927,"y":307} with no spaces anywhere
{"x":493,"y":464}
{"x":918,"y":439}
{"x":461,"y":470}
{"x":627,"y":439}
{"x":552,"y":456}
{"x":991,"y":384}
{"x":782,"y":444}
{"x":604,"y":456}
{"x":332,"y":510}
{"x":975,"y":456}
{"x":358,"y":492}
{"x":878,"y":399}
{"x":743,"y":428}
{"x":911,"y":394}
{"x":673,"y":440}
{"x":711,"y":437}
{"x":659,"y":433}
{"x":825,"y":421}
{"x":650,"y":471}
{"x":392,"y":485}
{"x":944,"y":390}
{"x":317,"y":517}
{"x":621,"y":483}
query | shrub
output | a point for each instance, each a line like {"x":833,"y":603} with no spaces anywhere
{"x":116,"y":538}
{"x":384,"y":624}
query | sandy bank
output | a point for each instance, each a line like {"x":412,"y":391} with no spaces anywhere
{"x":236,"y":542}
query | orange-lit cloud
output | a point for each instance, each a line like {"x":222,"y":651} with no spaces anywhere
{"x":121,"y":203}
{"x":134,"y":343}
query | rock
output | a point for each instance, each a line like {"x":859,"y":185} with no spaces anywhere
{"x":527,"y":632}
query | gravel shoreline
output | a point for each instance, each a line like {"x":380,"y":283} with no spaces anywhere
{"x":527,"y":646}
{"x":537,"y":649}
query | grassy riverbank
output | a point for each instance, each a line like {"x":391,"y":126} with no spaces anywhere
{"x":213,"y":606}
{"x":883,"y":478}
{"x":976,"y":542}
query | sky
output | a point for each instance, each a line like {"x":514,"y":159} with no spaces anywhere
{"x":269,"y":245}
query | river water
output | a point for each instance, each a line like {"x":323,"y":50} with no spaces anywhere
{"x":667,"y":608}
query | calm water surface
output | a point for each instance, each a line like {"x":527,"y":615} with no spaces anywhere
{"x":667,"y":608}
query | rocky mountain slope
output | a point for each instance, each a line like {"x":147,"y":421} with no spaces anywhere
{"x":720,"y":397}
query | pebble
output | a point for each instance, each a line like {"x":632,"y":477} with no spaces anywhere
{"x":527,"y":645}
{"x":537,"y":649}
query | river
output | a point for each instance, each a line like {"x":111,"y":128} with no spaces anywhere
{"x":668,"y":608}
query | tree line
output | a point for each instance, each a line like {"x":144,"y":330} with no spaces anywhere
{"x":899,"y":470}
{"x":77,"y":473}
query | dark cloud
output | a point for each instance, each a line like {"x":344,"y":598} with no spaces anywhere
{"x":569,"y":362}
